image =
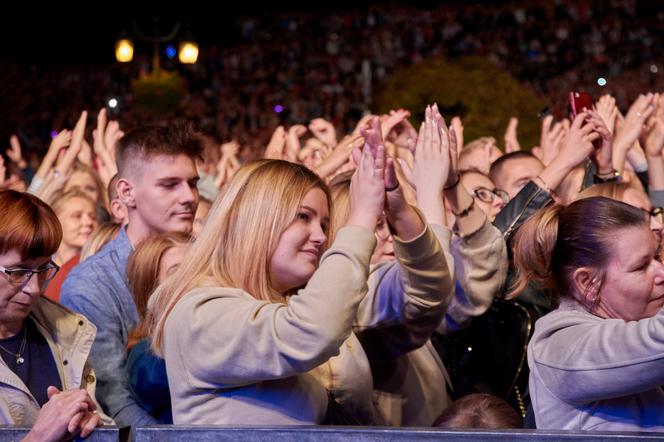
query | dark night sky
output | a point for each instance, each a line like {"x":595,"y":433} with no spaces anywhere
{"x":63,"y":35}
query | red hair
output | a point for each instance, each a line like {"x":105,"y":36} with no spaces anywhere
{"x":28,"y":225}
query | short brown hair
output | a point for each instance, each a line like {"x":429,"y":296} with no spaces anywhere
{"x":28,"y":225}
{"x":556,"y":240}
{"x":479,"y":410}
{"x":143,"y":142}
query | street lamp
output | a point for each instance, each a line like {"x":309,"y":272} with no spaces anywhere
{"x":188,"y":49}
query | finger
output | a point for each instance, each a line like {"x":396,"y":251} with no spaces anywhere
{"x":546,"y":124}
{"x":390,"y":174}
{"x":74,"y":423}
{"x":52,"y":391}
{"x":93,"y":422}
{"x":356,"y":153}
{"x":420,"y":140}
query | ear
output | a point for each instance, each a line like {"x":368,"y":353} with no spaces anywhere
{"x":126,"y":192}
{"x":586,"y":283}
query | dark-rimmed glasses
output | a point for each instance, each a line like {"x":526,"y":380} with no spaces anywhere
{"x":21,"y":276}
{"x":487,"y":195}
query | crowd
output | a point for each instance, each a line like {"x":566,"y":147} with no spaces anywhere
{"x":305,"y":67}
{"x":271,"y":253}
{"x":149,"y":275}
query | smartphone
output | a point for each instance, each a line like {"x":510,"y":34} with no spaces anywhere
{"x":580,"y":101}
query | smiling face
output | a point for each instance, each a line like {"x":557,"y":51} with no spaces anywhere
{"x":78,"y":219}
{"x":633,"y":288}
{"x":16,"y":300}
{"x":162,"y":196}
{"x":297,"y":253}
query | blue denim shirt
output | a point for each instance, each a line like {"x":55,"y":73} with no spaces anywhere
{"x":149,"y":382}
{"x":97,"y":288}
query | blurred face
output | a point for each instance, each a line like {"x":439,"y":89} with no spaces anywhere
{"x":165,"y":195}
{"x":633,"y":288}
{"x":170,"y":261}
{"x":516,"y":173}
{"x":78,"y":219}
{"x":482,"y":188}
{"x":641,"y":200}
{"x":384,"y":251}
{"x":296,"y":257}
{"x":85,"y":183}
{"x":16,"y":300}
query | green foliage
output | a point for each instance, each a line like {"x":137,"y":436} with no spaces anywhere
{"x":483,"y":95}
{"x":158,"y":92}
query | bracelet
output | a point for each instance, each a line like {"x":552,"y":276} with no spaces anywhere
{"x":390,"y":189}
{"x":614,"y":175}
{"x":465,"y":211}
{"x":544,"y":186}
{"x":453,"y":185}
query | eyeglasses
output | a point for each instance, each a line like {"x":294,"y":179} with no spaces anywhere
{"x":487,"y":195}
{"x":21,"y":276}
{"x":657,"y":213}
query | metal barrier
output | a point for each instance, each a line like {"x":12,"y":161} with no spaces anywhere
{"x":101,"y":434}
{"x":370,"y":434}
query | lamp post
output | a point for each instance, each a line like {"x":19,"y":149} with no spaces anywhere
{"x":188,"y":48}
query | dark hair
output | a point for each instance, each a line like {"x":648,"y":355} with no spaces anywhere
{"x":555,"y":241}
{"x":479,"y":410}
{"x":145,"y":141}
{"x":497,"y":166}
{"x":28,"y":225}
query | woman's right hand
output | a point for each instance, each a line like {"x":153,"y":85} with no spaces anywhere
{"x":367,"y":186}
{"x":65,"y":415}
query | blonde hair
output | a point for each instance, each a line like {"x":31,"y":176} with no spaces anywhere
{"x":59,"y":204}
{"x":99,"y":238}
{"x":340,"y":190}
{"x":613,"y":190}
{"x":242,"y":231}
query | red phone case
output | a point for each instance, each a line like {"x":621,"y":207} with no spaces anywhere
{"x":578,"y":101}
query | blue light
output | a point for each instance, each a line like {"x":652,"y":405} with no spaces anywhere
{"x":601,"y":81}
{"x":54,"y":133}
{"x":170,"y":52}
{"x":278,"y":108}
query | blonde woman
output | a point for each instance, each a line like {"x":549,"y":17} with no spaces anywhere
{"x":260,"y":300}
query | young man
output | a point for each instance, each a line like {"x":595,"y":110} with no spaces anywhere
{"x":157,"y":180}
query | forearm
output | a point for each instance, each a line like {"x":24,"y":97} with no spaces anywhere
{"x":430,"y":203}
{"x":460,"y":200}
{"x":655,"y":172}
{"x":405,"y":222}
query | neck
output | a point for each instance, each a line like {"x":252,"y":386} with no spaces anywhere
{"x":9,"y":329}
{"x":65,"y":253}
{"x":137,"y":232}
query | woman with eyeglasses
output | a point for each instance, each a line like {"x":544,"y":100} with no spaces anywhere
{"x":46,"y":381}
{"x":487,"y":197}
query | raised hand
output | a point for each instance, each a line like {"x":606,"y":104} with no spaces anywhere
{"x":457,"y":125}
{"x":324,"y":131}
{"x":111,"y":136}
{"x":630,"y":127}
{"x":76,"y":145}
{"x":390,"y":121}
{"x":367,"y":186}
{"x":511,"y":141}
{"x":275,"y":148}
{"x":293,"y":145}
{"x":652,"y":135}
{"x":608,"y":111}
{"x":14,"y":152}
{"x":362,"y":124}
{"x":551,"y":139}
{"x":602,"y":155}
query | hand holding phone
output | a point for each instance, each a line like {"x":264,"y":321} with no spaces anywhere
{"x":579,"y":101}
